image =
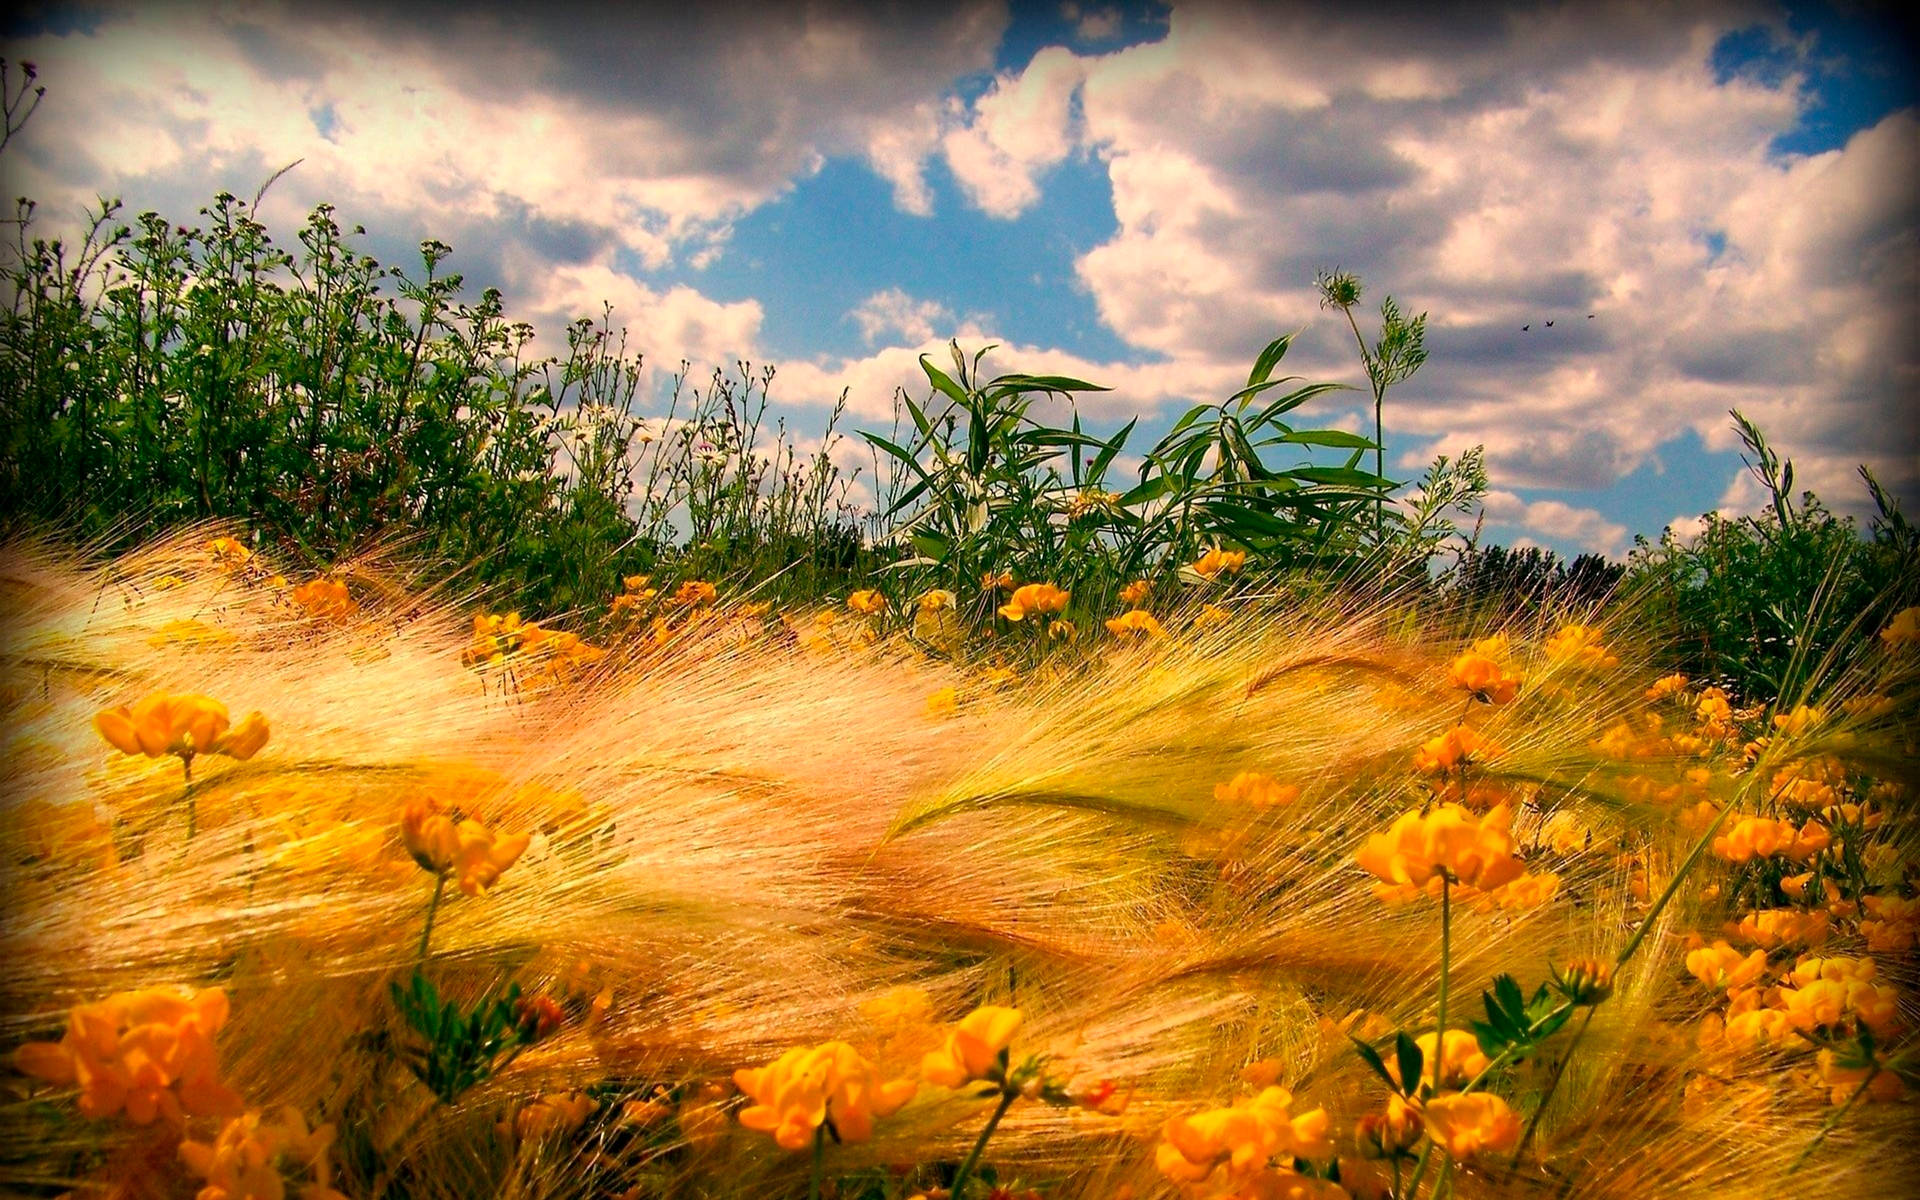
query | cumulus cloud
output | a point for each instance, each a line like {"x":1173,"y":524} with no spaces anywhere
{"x":1566,"y":523}
{"x":894,"y":312}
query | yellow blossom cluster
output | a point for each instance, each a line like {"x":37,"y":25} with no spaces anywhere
{"x":636,"y":596}
{"x":1136,"y":621}
{"x":1761,"y":837}
{"x":972,"y":1047}
{"x":1257,"y":789}
{"x":809,"y":1086}
{"x":1580,"y":646}
{"x":1238,"y":1141}
{"x":1216,"y":562}
{"x":1033,"y":599}
{"x":248,"y":1158}
{"x":183,"y":725}
{"x":465,"y":851}
{"x":1452,"y":750}
{"x":867,"y":602}
{"x":1446,"y":841}
{"x":1479,"y":674}
{"x":148,"y":1052}
{"x":325,"y":600}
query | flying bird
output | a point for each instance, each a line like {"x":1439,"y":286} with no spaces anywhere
{"x":1525,"y":328}
{"x":1549,"y":324}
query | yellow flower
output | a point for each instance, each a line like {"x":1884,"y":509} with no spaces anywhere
{"x":809,"y":1086}
{"x":1061,"y":630}
{"x":944,"y":702}
{"x":467,"y":852}
{"x":244,"y":1161}
{"x":325,"y":600}
{"x":228,"y":552}
{"x":1135,"y":593}
{"x":149,"y":1052}
{"x":1216,"y":561}
{"x":973,"y":1047}
{"x":1257,"y":789}
{"x":1903,"y":632}
{"x":867,"y":603}
{"x":1580,"y":646}
{"x":185,"y":725}
{"x":1467,"y":1123}
{"x":1762,"y":837}
{"x":1464,"y":1060}
{"x":1452,"y":749}
{"x":1241,"y":1138}
{"x":1391,"y":1134}
{"x":1482,"y":678}
{"x":1771,"y":928}
{"x":695,"y":592}
{"x":991,"y":582}
{"x":1667,"y":685}
{"x":1721,"y":966}
{"x":1477,"y":851}
{"x":1033,"y":598}
{"x":1138,"y":621}
{"x":1843,"y":1082}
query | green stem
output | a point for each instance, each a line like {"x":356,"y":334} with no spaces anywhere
{"x":186,"y":765}
{"x":819,"y":1156}
{"x":1419,"y":1171}
{"x":433,"y":907}
{"x":1673,"y":885}
{"x":1833,"y":1119}
{"x":973,"y":1159}
{"x":1560,"y":1068}
{"x":1446,"y":953}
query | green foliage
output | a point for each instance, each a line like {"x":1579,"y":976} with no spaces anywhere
{"x":1516,"y":1024}
{"x":1765,"y":604}
{"x":1502,"y":583}
{"x":462,"y":1048}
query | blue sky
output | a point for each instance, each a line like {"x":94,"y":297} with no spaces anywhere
{"x":1138,"y":194}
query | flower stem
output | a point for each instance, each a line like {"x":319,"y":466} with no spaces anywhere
{"x":973,"y":1159}
{"x":186,"y":766}
{"x":1833,"y":1120}
{"x":433,"y":907}
{"x":1546,"y":1098}
{"x":1446,"y":953}
{"x":819,"y":1155}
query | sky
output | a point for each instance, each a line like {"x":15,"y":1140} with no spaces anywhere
{"x":1135,"y":194}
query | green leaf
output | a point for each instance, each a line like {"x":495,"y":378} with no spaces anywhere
{"x":1408,"y":1058}
{"x":1339,"y":438}
{"x":1268,"y":359}
{"x":942,"y":381}
{"x":1372,"y":1058}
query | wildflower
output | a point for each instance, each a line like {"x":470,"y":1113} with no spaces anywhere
{"x":1001,"y":582}
{"x":1033,"y":598}
{"x":149,"y":1052}
{"x":973,"y":1047}
{"x":1449,"y":841}
{"x":809,"y":1086}
{"x":1217,"y":561}
{"x":1892,"y":924}
{"x":1257,"y":789}
{"x":325,"y":600}
{"x":245,"y":1159}
{"x":1721,"y":966}
{"x":1482,"y":678}
{"x":228,"y":552}
{"x":1580,"y":646}
{"x":1135,"y":593}
{"x":1585,"y":982}
{"x":867,"y":603}
{"x":184,"y":725}
{"x":1774,"y":927}
{"x":468,"y":851}
{"x":1463,"y":1062}
{"x":557,"y":1112}
{"x":496,"y":637}
{"x":936,"y":619}
{"x":944,"y":702}
{"x":1761,"y":837}
{"x":1903,"y":632}
{"x":1467,"y":1123}
{"x":1392,"y":1134}
{"x":1241,"y":1138}
{"x":1452,"y":749}
{"x":637,"y":594}
{"x":1061,"y":630}
{"x":1138,"y":621}
{"x":694,"y":593}
{"x":1843,"y":1081}
{"x":1211,"y":615}
{"x":1667,"y":685}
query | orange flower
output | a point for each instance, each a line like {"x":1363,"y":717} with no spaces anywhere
{"x":809,"y":1086}
{"x":867,"y":603}
{"x":1464,"y":1060}
{"x":1903,"y":632}
{"x":149,"y":1052}
{"x":1482,"y":678}
{"x":1003,"y":581}
{"x":244,"y":1162}
{"x":1033,"y":598}
{"x":973,"y":1047}
{"x":1216,"y":561}
{"x":1667,"y":685}
{"x":183,"y":725}
{"x":1843,"y":1082}
{"x":1721,"y":966}
{"x":1241,"y":1138}
{"x":1580,"y":646}
{"x":1138,"y":621}
{"x":325,"y":599}
{"x":1761,"y":837}
{"x":1449,"y":841}
{"x":1257,"y":789}
{"x":228,"y":552}
{"x":695,"y":592}
{"x":1452,"y":749}
{"x":1771,"y":928}
{"x":1467,"y":1123}
{"x":1134,"y":593}
{"x":468,"y":852}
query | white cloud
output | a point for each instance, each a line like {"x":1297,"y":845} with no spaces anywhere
{"x":1021,"y":126}
{"x":1566,"y":523}
{"x":894,"y":312}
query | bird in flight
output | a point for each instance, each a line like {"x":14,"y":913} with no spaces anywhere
{"x":1549,"y":324}
{"x":1525,"y":328}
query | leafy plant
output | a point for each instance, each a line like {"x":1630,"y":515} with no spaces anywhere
{"x":462,"y":1047}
